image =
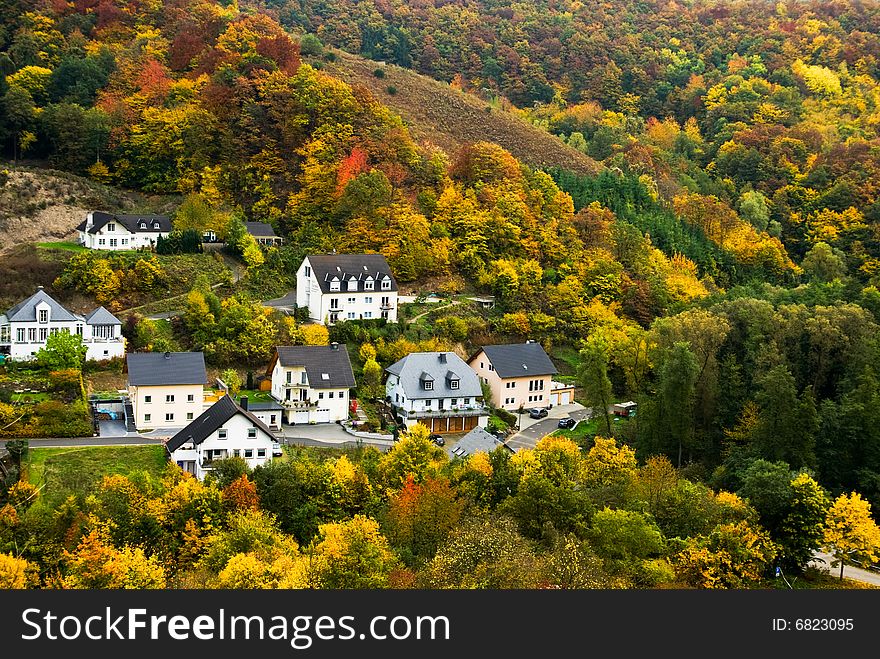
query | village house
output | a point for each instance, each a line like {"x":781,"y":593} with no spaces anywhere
{"x":336,"y":287}
{"x":224,"y":430}
{"x":476,"y":441}
{"x":166,"y":389}
{"x":313,"y":383}
{"x":519,"y":374}
{"x":263,"y":233}
{"x":102,"y":230}
{"x":438,"y":390}
{"x":25,"y":328}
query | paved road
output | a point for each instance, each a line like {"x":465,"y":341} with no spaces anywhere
{"x":65,"y":442}
{"x":286,"y":302}
{"x":850,"y":572}
{"x":534,"y":430}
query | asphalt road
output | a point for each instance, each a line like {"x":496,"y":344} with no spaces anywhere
{"x":529,"y":437}
{"x":850,"y":572}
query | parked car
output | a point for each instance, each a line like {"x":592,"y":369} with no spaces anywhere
{"x":567,"y":423}
{"x":276,"y":450}
{"x":538,"y":412}
{"x":437,"y":439}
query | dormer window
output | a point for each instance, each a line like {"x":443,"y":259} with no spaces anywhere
{"x":428,"y":385}
{"x":334,"y":284}
{"x":352,"y":284}
{"x":44,"y":315}
{"x":143,"y":225}
{"x":155,"y":225}
{"x":386,"y":284}
{"x":453,"y":384}
{"x":369,"y":284}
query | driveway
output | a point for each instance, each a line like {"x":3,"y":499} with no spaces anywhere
{"x":327,"y":434}
{"x":288,"y":302}
{"x":534,"y":430}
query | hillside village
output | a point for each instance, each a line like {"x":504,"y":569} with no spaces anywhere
{"x":470,"y":295}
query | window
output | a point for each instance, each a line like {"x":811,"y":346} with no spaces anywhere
{"x":19,"y":335}
{"x":249,"y":453}
{"x":44,"y":333}
{"x":44,"y":315}
{"x":368,"y":300}
{"x":352,"y":300}
{"x":169,"y":398}
{"x":320,"y":395}
{"x":221,"y":434}
{"x":453,"y":384}
{"x":236,"y":452}
{"x":125,"y":241}
{"x":428,"y":385}
{"x":428,"y":404}
{"x":491,"y":368}
{"x":148,"y":399}
{"x":351,"y":315}
{"x":303,"y":378}
{"x":481,"y":365}
{"x":143,"y":225}
{"x":330,"y":395}
{"x":252,"y":433}
{"x":111,"y":227}
{"x":101,"y":241}
{"x":113,"y":242}
{"x":386,"y":302}
{"x":261,"y":453}
{"x":79,"y":329}
{"x":454,"y":402}
{"x":189,"y":416}
{"x":147,"y":418}
{"x":155,"y":225}
{"x":289,"y":377}
{"x":386,"y":284}
{"x":169,"y":416}
{"x":352,"y":284}
{"x":334,"y":284}
{"x":467,"y":401}
{"x":32,"y":334}
{"x":334,"y":303}
{"x":368,"y":314}
{"x":369,"y":284}
{"x":190,"y":398}
{"x":307,"y":271}
{"x":341,"y":394}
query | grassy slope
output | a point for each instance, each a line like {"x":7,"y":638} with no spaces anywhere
{"x":449,"y":118}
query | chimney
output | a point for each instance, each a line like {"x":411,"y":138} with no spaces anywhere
{"x":334,"y":346}
{"x":244,"y":403}
{"x":39,"y":288}
{"x":89,"y":220}
{"x":442,"y":357}
{"x":167,"y":355}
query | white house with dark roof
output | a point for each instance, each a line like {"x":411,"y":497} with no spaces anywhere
{"x":263,"y":233}
{"x":337,"y":287}
{"x":109,"y":231}
{"x":519,"y":374}
{"x":224,"y":430}
{"x":25,"y":328}
{"x":313,"y":383}
{"x":478,"y":440}
{"x":166,"y":389}
{"x":436,"y":389}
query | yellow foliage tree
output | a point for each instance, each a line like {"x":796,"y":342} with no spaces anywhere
{"x":851,"y":535}
{"x":315,"y":335}
{"x":15,"y":573}
{"x":608,"y":464}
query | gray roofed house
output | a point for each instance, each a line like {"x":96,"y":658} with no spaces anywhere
{"x":209,"y":420}
{"x":475,"y":441}
{"x":518,"y":360}
{"x":101,"y":316}
{"x":448,"y":374}
{"x":26,"y":311}
{"x":326,"y":366}
{"x":263,"y":233}
{"x":166,"y":368}
{"x":134,"y":223}
{"x":345,"y":267}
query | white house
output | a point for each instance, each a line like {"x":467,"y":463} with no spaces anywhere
{"x":166,"y":389}
{"x":338,"y":287}
{"x":25,"y":328}
{"x":519,"y":374}
{"x":437,"y":389}
{"x":224,"y":430}
{"x":312,"y":382}
{"x":102,"y":230}
{"x":263,"y":233}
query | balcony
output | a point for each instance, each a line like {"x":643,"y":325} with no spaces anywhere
{"x":386,"y":306}
{"x":299,"y":404}
{"x":444,"y":413}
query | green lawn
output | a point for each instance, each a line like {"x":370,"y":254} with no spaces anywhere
{"x":77,"y":470}
{"x":69,"y":247}
{"x":255,"y":396}
{"x":581,"y":431}
{"x":38,"y":397}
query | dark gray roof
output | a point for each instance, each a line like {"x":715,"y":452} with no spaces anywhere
{"x":518,"y":360}
{"x":260,"y":229}
{"x":101,"y":316}
{"x":130,"y":222}
{"x":158,"y":368}
{"x":26,"y":311}
{"x":326,"y":367}
{"x":209,"y":420}
{"x":345,"y":266}
{"x":475,"y":441}
{"x":412,"y":370}
{"x":264,"y":407}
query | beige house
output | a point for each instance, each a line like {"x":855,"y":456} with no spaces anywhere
{"x":519,"y":375}
{"x":166,"y":389}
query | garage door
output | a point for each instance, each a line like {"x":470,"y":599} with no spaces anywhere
{"x":554,"y":399}
{"x":565,"y":398}
{"x":322,"y":416}
{"x":438,"y":425}
{"x":301,"y":417}
{"x":456,"y":424}
{"x":470,"y":422}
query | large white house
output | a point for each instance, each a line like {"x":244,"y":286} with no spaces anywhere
{"x":312,"y":382}
{"x":25,"y":328}
{"x":102,"y":230}
{"x":166,"y":389}
{"x":337,"y":287}
{"x":224,"y":430}
{"x":436,"y":389}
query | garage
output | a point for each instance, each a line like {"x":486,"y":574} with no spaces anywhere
{"x":322,"y":416}
{"x":300,"y":417}
{"x":438,"y":425}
